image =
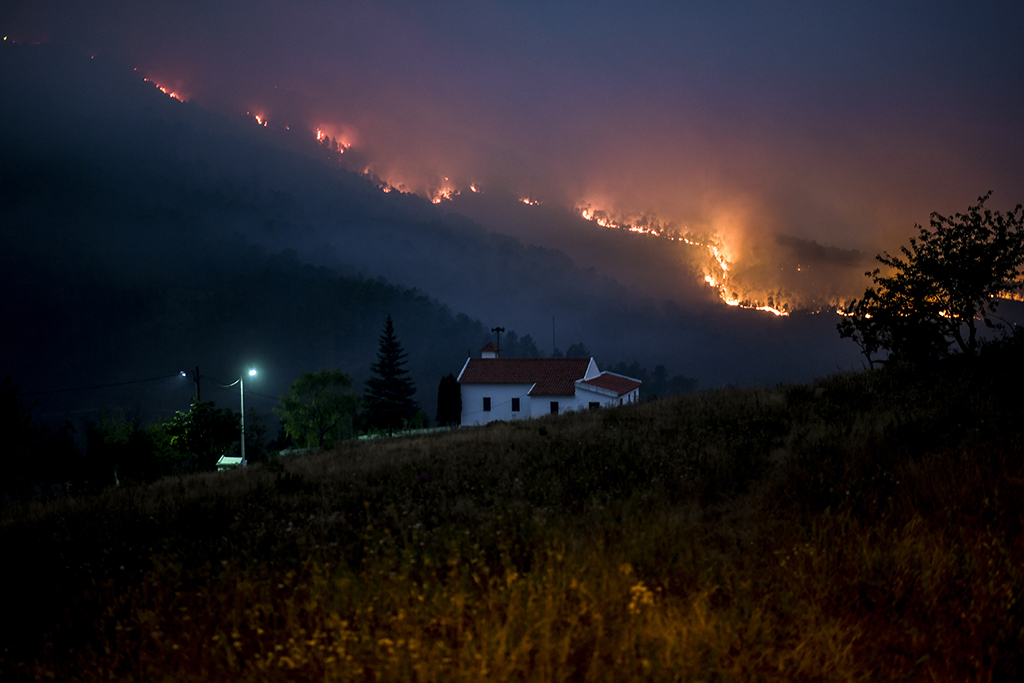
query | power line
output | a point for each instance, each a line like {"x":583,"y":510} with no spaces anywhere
{"x":256,"y":393}
{"x":103,"y":386}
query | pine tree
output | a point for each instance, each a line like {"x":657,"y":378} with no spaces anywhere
{"x":389,"y":392}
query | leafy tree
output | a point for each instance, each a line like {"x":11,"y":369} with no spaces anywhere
{"x":169,"y":460}
{"x":952,"y":276}
{"x":203,"y":434}
{"x":449,"y":401}
{"x":389,"y":391}
{"x":318,"y":409}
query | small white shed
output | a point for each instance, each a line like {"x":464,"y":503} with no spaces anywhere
{"x":229,"y":462}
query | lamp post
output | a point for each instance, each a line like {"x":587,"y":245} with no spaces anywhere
{"x":241,"y":394}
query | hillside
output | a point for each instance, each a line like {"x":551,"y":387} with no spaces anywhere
{"x":126,"y":212}
{"x":865,"y":526}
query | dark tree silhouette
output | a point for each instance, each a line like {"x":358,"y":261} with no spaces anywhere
{"x":15,"y":422}
{"x":118,"y":450}
{"x":389,"y":391}
{"x":578,"y":350}
{"x":318,"y":410}
{"x":449,"y":401}
{"x":952,"y":276}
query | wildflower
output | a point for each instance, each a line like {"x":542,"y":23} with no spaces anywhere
{"x":640,"y":596}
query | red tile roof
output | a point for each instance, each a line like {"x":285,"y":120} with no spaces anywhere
{"x":617,"y":383}
{"x":551,"y":376}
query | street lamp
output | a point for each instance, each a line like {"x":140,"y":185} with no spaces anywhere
{"x":241,"y":395}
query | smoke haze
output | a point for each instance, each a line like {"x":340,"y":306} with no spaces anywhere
{"x":842,"y":127}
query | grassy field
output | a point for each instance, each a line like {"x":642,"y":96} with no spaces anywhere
{"x":867,"y":526}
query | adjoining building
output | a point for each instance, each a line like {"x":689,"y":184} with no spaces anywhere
{"x":229,"y":462}
{"x":496,"y":388}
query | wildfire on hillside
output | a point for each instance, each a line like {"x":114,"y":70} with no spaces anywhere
{"x":711,"y":254}
{"x":750,"y":279}
{"x":715,"y":266}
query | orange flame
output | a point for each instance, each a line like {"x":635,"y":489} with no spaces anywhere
{"x":170,"y":93}
{"x":443,"y":193}
{"x":339,"y":142}
{"x":716,"y":269}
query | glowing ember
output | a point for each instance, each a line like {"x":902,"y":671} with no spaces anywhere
{"x":528,"y":201}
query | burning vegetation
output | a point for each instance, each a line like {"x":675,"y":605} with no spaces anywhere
{"x":714,"y":264}
{"x":173,"y":94}
{"x":737,"y":280}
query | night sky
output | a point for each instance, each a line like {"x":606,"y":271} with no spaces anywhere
{"x":807,"y":139}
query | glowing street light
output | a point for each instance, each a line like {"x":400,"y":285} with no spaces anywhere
{"x":241,"y":395}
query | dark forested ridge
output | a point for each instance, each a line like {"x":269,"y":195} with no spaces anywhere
{"x":149,"y":239}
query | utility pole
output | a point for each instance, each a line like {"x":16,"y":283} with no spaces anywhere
{"x":241,"y":396}
{"x":195,"y":378}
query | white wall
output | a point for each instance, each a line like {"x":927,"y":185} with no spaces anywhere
{"x":585,"y":395}
{"x":501,"y":396}
{"x":541,"y":405}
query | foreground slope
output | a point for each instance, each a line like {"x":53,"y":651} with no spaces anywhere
{"x":866,"y":526}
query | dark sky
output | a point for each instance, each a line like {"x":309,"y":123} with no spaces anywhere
{"x":784,"y":127}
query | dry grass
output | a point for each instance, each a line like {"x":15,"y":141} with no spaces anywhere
{"x":868,"y":526}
